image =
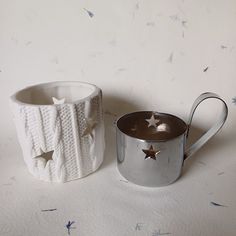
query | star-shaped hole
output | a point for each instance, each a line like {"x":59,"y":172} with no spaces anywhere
{"x":90,"y":125}
{"x":58,"y":101}
{"x":152,"y":121}
{"x":45,"y":156}
{"x":151,"y":153}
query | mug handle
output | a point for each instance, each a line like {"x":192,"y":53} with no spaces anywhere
{"x":212,"y":131}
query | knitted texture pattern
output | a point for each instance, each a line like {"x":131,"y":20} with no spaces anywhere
{"x":61,"y":142}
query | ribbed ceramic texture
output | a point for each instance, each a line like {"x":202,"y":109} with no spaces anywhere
{"x":64,"y":129}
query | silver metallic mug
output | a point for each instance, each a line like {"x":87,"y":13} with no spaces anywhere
{"x":151,"y":146}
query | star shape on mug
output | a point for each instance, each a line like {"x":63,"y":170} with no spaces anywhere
{"x":45,"y":156}
{"x":58,"y":101}
{"x":90,"y":125}
{"x":151,"y":153}
{"x":152,"y":121}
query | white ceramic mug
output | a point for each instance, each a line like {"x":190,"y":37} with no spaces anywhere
{"x":60,"y":128}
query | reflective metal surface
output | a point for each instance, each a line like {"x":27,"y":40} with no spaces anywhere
{"x":151,"y":145}
{"x":214,"y":129}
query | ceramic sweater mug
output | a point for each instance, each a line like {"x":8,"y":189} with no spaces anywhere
{"x":151,"y":146}
{"x":60,"y":129}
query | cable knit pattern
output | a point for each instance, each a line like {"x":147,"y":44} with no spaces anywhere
{"x":61,"y":128}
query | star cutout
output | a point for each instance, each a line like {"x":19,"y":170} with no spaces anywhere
{"x":151,"y":153}
{"x":58,"y":101}
{"x":46,"y":156}
{"x":91,"y":124}
{"x":152,"y":121}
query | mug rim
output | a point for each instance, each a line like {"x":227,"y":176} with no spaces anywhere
{"x":153,"y":112}
{"x":14,"y":98}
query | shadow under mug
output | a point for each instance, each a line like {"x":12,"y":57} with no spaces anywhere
{"x":151,"y":146}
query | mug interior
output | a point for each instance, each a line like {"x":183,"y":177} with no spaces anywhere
{"x":43,"y":94}
{"x":148,"y":125}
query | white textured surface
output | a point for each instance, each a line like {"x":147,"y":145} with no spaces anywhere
{"x":144,"y":55}
{"x":76,"y":146}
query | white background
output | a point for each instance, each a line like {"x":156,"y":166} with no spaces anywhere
{"x":144,"y":55}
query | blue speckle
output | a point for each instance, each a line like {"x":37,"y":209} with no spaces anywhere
{"x":158,"y":233}
{"x":68,"y":226}
{"x":234,"y":100}
{"x":139,"y":226}
{"x":217,"y":204}
{"x":89,"y":13}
